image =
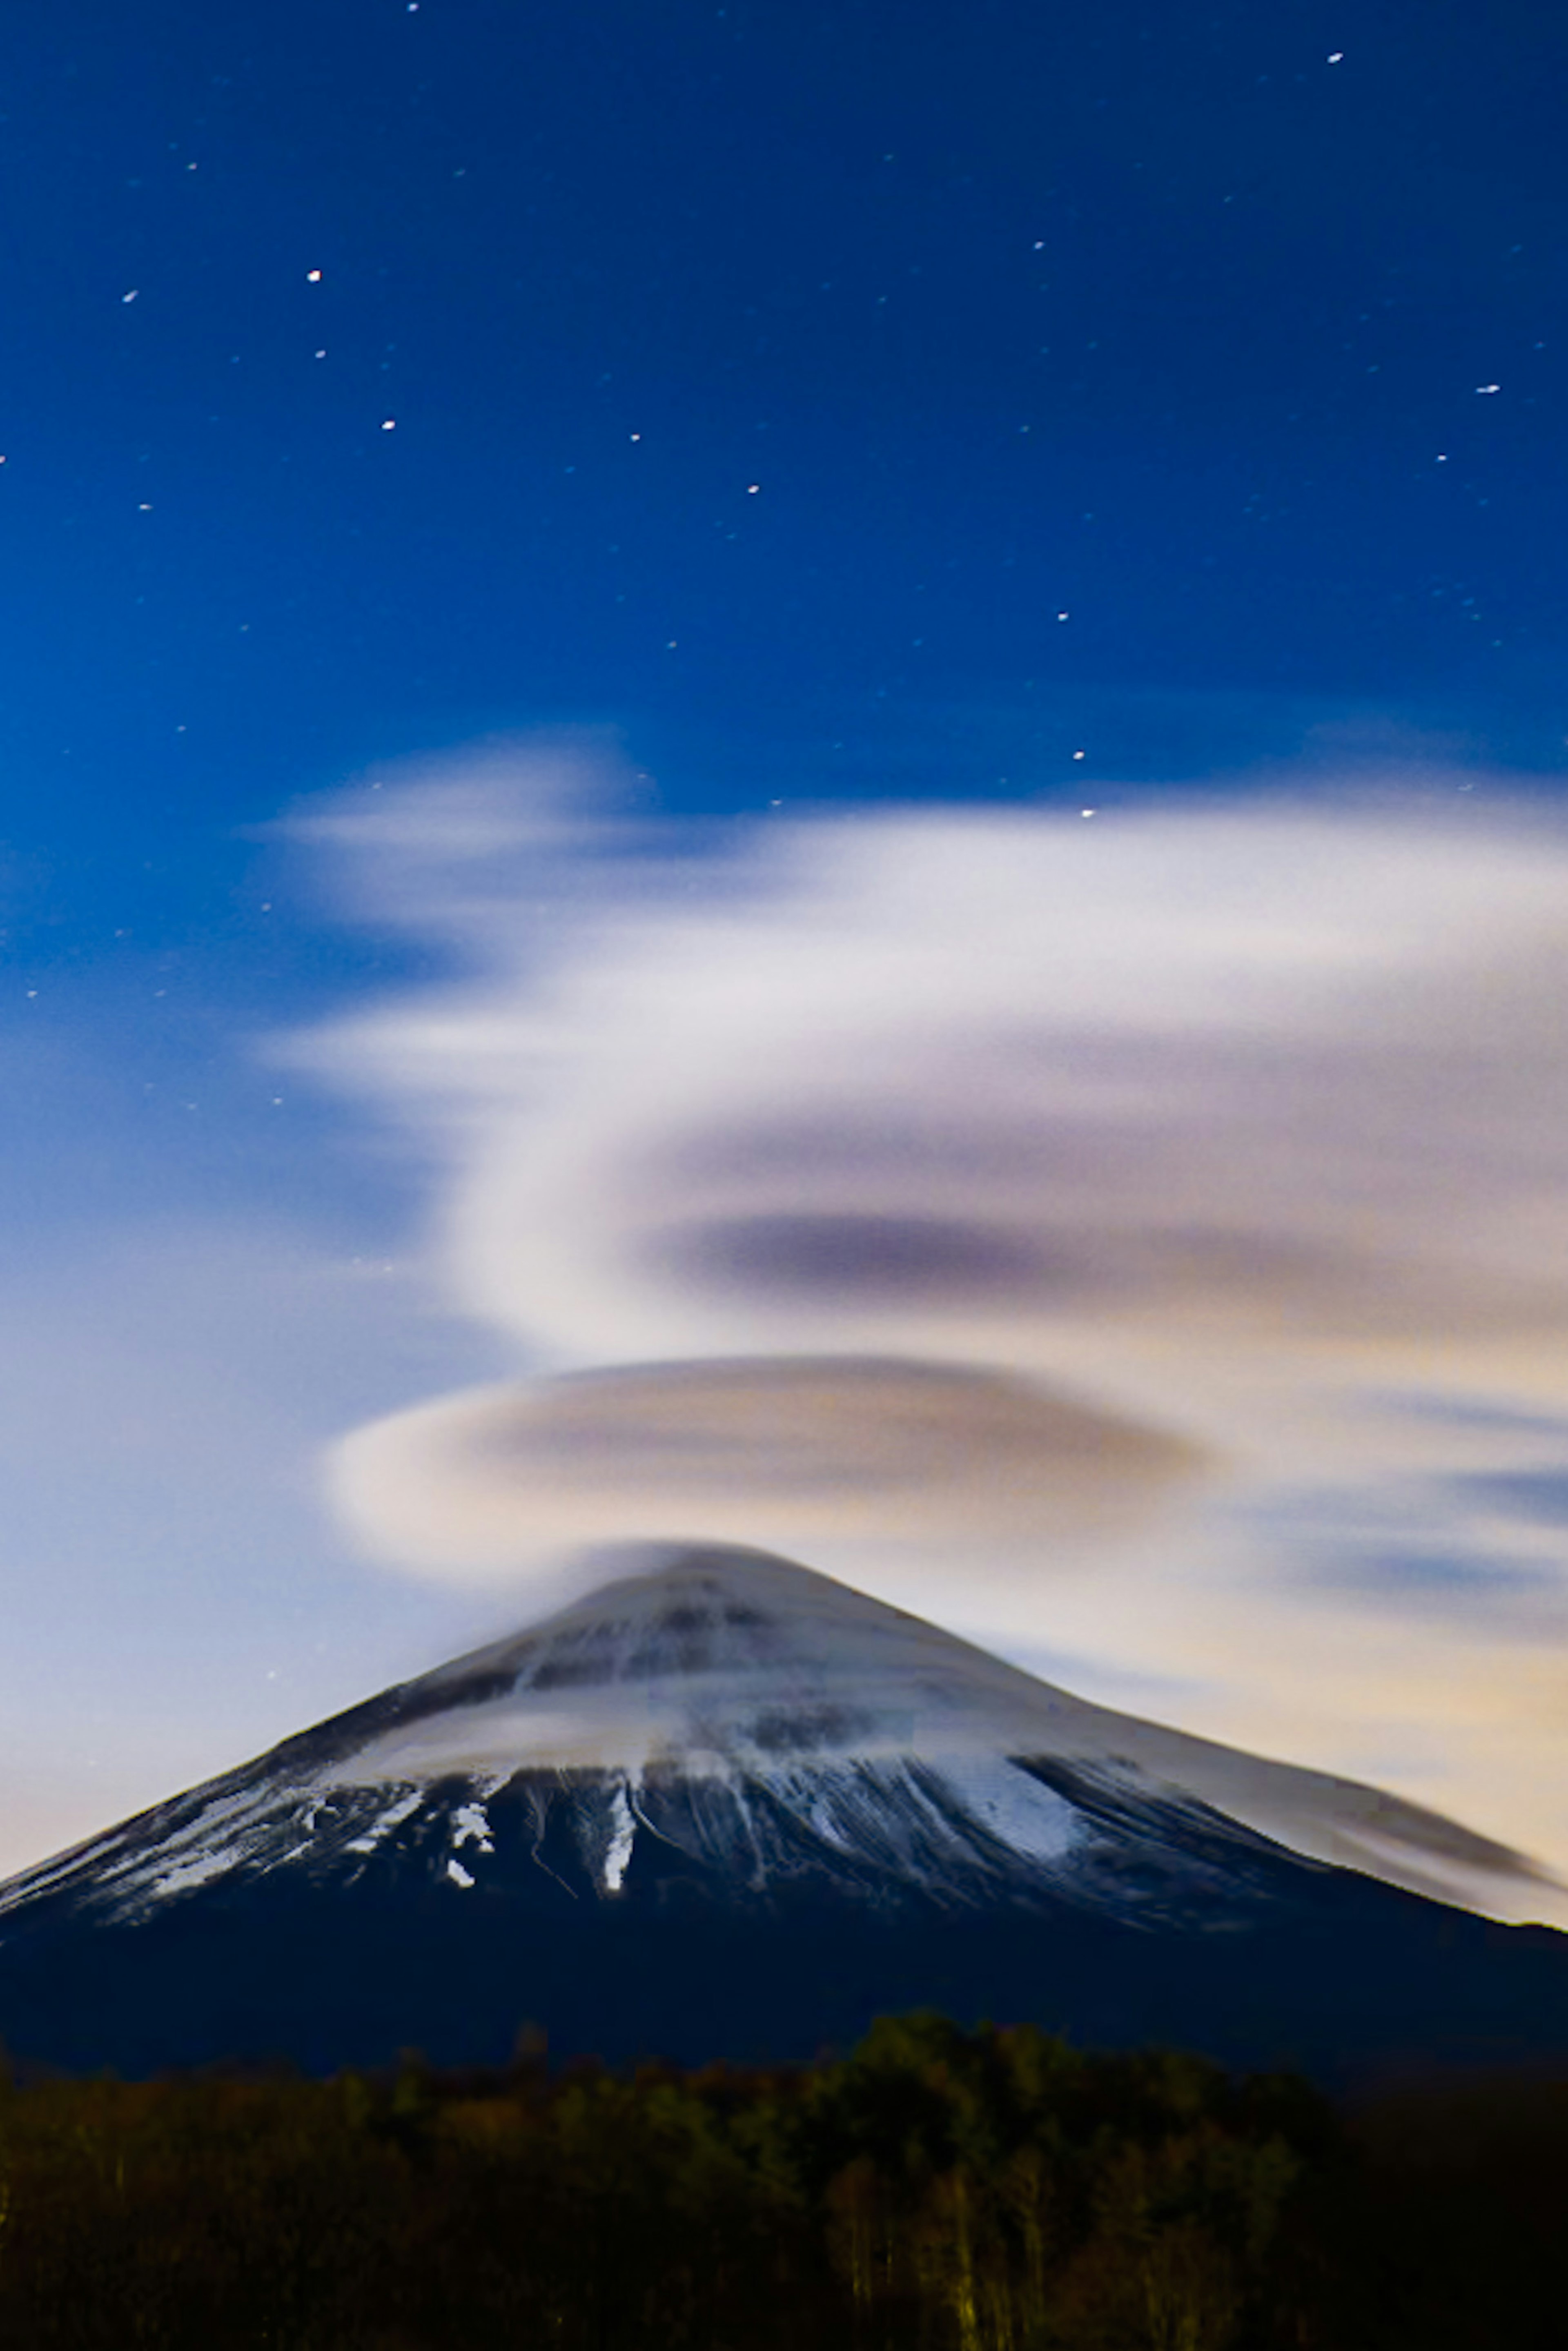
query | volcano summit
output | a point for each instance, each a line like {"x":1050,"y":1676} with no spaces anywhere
{"x":728,"y":1808}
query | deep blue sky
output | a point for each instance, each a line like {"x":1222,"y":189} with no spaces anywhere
{"x":765,"y":382}
{"x":1151,"y":314}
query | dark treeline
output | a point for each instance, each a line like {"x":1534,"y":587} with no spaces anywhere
{"x":939,"y":2190}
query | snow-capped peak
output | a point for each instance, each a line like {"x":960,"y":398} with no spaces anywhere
{"x":725,"y":1663}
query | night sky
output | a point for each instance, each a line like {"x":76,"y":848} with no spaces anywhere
{"x":767,"y":380}
{"x":815,"y":407}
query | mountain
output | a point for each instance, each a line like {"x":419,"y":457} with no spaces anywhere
{"x":729,"y":1808}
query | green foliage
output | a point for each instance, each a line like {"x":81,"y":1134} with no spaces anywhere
{"x":937,"y":2191}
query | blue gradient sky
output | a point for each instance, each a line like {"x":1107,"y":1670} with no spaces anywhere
{"x":837,"y":403}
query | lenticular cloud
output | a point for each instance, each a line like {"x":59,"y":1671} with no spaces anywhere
{"x":1264,"y":1084}
{"x":816,"y":1450}
{"x":1101,"y":1233}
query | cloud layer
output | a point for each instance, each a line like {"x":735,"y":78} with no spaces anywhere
{"x":802,"y":1451}
{"x":995,"y":1196}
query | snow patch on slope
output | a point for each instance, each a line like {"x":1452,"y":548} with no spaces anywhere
{"x":1015,"y":1808}
{"x":470,"y":1823}
{"x":622,"y":1837}
{"x":392,"y":1818}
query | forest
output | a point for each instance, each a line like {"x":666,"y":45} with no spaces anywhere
{"x":936,"y":2190}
